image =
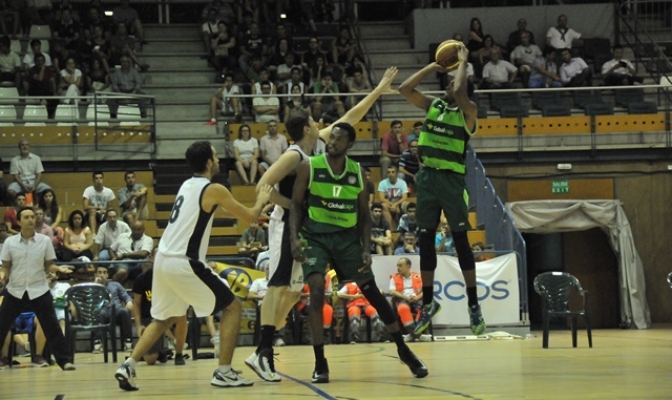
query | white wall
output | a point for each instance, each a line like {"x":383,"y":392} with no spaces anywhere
{"x":436,"y":25}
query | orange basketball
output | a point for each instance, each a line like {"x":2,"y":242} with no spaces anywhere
{"x":446,"y":54}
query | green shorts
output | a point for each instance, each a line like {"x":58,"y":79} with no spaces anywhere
{"x":343,"y":250}
{"x":441,"y":190}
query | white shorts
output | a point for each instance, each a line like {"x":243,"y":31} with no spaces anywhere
{"x":181,"y":282}
{"x":282,"y":269}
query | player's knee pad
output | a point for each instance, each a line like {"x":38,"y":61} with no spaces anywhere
{"x":427,"y":251}
{"x":464,"y":254}
{"x":372,"y":293}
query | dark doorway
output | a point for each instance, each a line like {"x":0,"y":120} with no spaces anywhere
{"x":586,"y":255}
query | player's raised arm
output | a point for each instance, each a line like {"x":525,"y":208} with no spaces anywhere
{"x":413,"y":95}
{"x":218,"y":195}
{"x":287,"y":162}
{"x":356,"y":113}
{"x":296,"y":211}
{"x":460,"y":92}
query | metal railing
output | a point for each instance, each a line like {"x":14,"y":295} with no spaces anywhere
{"x":492,"y":215}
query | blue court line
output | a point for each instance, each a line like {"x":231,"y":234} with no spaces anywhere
{"x":310,"y":386}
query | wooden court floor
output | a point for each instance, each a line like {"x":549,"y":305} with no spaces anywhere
{"x":623,"y":364}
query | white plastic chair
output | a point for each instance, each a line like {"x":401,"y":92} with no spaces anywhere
{"x":15,"y":46}
{"x":35,"y":113}
{"x":40,"y":32}
{"x":102,"y":111}
{"x":7,"y":113}
{"x":9,"y":95}
{"x":66,"y":114}
{"x":128,"y":113}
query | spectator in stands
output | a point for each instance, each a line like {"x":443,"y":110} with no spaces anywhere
{"x":10,"y":219}
{"x":561,"y":37}
{"x":29,"y":58}
{"x":285,"y":72}
{"x":544,"y":71}
{"x":281,"y":34}
{"x":266,"y":107}
{"x":58,"y":290}
{"x":26,"y":168}
{"x":317,"y":69}
{"x":78,"y":241}
{"x":252,"y":241}
{"x":209,"y":30}
{"x":250,"y":7}
{"x":252,"y":73}
{"x":68,"y":30}
{"x":124,"y":14}
{"x":225,"y":101}
{"x":515,"y":37}
{"x":393,"y":144}
{"x":409,"y":164}
{"x":476,"y":36}
{"x":252,"y":45}
{"x":97,"y":199}
{"x":359,"y":83}
{"x":370,"y":187}
{"x":39,"y":12}
{"x":131,"y":248}
{"x":108,"y":232}
{"x":123,"y":45}
{"x":10,"y":63}
{"x":53,"y":213}
{"x":264,"y":76}
{"x":574,"y":72}
{"x":223,"y":49}
{"x":98,"y":80}
{"x":295,"y":80}
{"x":223,"y":11}
{"x":13,"y":10}
{"x":123,"y":305}
{"x":280,"y":52}
{"x":415,"y":135}
{"x":309,"y":57}
{"x":344,"y":48}
{"x":470,"y":75}
{"x":272,"y":145}
{"x":98,"y":47}
{"x":444,"y":239}
{"x":392,"y":193}
{"x":327,"y":104}
{"x":42,"y":82}
{"x":484,"y":54}
{"x":296,"y":100}
{"x":246,"y":154}
{"x":132,"y":199}
{"x":618,"y":71}
{"x":498,"y":73}
{"x":127,"y":80}
{"x":356,"y":303}
{"x":408,"y":222}
{"x":71,"y":83}
{"x":381,"y":233}
{"x":406,"y":291}
{"x":96,"y":18}
{"x":44,"y":229}
{"x":409,"y":246}
{"x":523,"y":56}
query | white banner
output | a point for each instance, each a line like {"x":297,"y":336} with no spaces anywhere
{"x":497,"y":280}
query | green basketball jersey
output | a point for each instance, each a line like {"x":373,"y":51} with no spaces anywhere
{"x":443,"y":140}
{"x":332,"y":200}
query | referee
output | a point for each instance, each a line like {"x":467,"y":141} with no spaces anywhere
{"x":25,"y":258}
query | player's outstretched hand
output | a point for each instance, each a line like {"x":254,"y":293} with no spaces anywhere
{"x":297,"y":250}
{"x":436,"y":67}
{"x":386,"y":81}
{"x":462,"y":53}
{"x":264,"y":193}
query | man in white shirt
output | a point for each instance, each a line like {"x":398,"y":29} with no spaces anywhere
{"x":545,"y":71}
{"x":498,"y":73}
{"x":574,"y":72}
{"x":561,"y":37}
{"x":97,"y":199}
{"x":225,"y":101}
{"x":523,"y":56}
{"x":619,"y":72}
{"x":266,"y":107}
{"x":108,"y":232}
{"x":29,"y":58}
{"x":134,"y":246}
{"x":26,"y":168}
{"x":258,"y":289}
{"x":271,"y":146}
{"x":209,"y":28}
{"x":25,"y":257}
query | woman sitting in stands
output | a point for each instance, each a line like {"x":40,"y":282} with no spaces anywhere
{"x":53,"y":215}
{"x":246,"y":153}
{"x":78,"y":242}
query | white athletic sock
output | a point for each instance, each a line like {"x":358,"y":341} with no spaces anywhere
{"x":131,"y":362}
{"x":223,"y":369}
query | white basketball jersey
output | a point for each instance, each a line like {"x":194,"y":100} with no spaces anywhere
{"x":188,"y":230}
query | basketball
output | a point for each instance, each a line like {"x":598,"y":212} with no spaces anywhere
{"x":446,"y":54}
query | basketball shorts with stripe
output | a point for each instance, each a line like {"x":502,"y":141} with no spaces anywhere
{"x":282,"y":269}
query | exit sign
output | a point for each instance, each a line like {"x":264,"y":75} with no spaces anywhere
{"x":559,"y":187}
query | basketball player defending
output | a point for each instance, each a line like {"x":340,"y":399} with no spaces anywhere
{"x":181,"y":276}
{"x":442,"y":145}
{"x":286,"y":277}
{"x":337,"y":231}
